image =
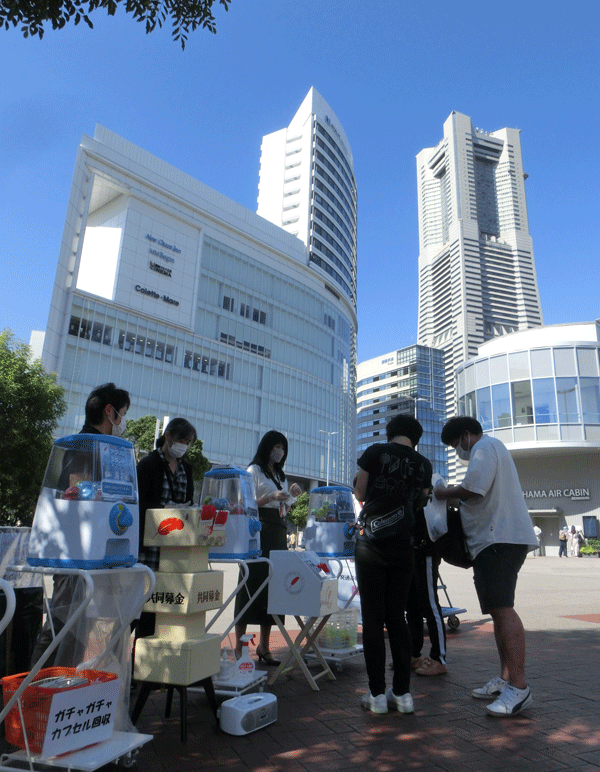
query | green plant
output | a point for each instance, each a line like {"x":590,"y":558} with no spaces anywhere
{"x":591,"y":548}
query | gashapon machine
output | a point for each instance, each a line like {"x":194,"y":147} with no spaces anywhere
{"x":87,"y":512}
{"x":330,"y":534}
{"x":228,"y":499}
{"x":85,"y":534}
{"x":330,"y":526}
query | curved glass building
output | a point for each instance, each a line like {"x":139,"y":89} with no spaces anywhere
{"x":539,"y":392}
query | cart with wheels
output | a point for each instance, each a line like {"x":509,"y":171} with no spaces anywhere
{"x":450,"y":612}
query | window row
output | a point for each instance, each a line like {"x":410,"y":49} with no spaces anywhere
{"x":96,"y":331}
{"x":246,"y":346}
{"x":245,"y":310}
{"x":540,"y":401}
{"x":334,"y":274}
{"x":204,"y":364}
{"x":152,"y":348}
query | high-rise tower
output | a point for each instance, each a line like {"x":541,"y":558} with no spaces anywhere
{"x":307,"y":187}
{"x":476,"y":268}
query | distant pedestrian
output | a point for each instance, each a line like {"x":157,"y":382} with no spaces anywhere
{"x":563,"y":540}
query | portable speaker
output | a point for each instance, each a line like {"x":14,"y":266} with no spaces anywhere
{"x":245,"y":714}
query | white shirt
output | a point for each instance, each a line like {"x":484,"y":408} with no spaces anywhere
{"x":265,"y":486}
{"x":501,"y":516}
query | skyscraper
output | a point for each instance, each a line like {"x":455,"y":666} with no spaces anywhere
{"x":410,"y":380}
{"x":307,"y":187}
{"x":477,"y":275}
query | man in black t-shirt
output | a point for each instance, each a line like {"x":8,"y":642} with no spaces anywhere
{"x":392,"y":471}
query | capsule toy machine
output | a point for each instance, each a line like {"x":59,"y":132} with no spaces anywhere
{"x":330,"y":526}
{"x":228,"y":504}
{"x":87,"y":512}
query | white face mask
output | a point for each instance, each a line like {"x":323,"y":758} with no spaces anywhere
{"x":276,"y":455}
{"x":117,"y":429}
{"x":178,"y":449}
{"x":464,"y":455}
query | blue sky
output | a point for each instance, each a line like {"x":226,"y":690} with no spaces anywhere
{"x":392,"y":71}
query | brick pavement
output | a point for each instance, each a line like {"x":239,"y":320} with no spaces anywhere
{"x":328,"y":730}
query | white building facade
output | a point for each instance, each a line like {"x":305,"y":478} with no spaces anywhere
{"x":201,"y":309}
{"x":477,"y":275}
{"x":307,"y":187}
{"x":539,"y":392}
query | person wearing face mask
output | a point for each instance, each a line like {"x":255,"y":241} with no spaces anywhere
{"x":105,"y":411}
{"x":499,"y":534}
{"x":273,"y":499}
{"x":164,"y":479}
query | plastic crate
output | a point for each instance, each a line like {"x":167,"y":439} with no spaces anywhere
{"x":36,"y":701}
{"x":340,"y":630}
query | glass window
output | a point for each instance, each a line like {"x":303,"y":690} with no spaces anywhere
{"x":566,"y":391}
{"x":469,"y":378}
{"x":499,"y":369}
{"x":74,"y":325}
{"x":522,"y":402}
{"x":544,"y":400}
{"x":470,"y":409}
{"x":482,"y":372}
{"x":501,"y":405}
{"x":587,"y":361}
{"x":484,"y":408}
{"x":590,"y":400}
{"x":519,"y":365}
{"x":541,"y":363}
{"x":564,"y":361}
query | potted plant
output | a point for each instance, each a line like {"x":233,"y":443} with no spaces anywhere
{"x":591,"y":548}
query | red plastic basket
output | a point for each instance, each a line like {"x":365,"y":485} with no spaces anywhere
{"x":36,"y":701}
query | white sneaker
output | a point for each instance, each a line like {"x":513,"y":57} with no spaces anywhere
{"x":491,"y":690}
{"x":510,"y":702}
{"x":402,"y":703}
{"x":374,"y":704}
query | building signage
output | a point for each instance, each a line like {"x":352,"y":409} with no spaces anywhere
{"x":387,"y":361}
{"x":163,"y":244}
{"x":575,"y":494}
{"x":156,"y":295}
{"x":160,"y":269}
{"x":158,"y":253}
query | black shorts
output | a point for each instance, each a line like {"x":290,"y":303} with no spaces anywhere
{"x":495,"y":571}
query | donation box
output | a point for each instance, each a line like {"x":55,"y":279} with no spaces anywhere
{"x":301,"y":584}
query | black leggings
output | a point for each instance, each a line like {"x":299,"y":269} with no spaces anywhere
{"x":383,"y":586}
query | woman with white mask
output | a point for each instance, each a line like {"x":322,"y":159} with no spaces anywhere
{"x":164,"y":479}
{"x":273,"y":498}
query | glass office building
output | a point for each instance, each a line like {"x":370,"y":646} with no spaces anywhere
{"x":409,"y":380}
{"x":539,"y":392}
{"x":199,"y":308}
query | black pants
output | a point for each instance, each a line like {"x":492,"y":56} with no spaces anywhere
{"x":423,"y":603}
{"x":383,"y":587}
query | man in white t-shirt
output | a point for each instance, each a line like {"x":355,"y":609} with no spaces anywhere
{"x":499,"y":534}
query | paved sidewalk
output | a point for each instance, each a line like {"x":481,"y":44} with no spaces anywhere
{"x":327,"y":730}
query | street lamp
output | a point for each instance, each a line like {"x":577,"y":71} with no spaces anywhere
{"x":328,"y":440}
